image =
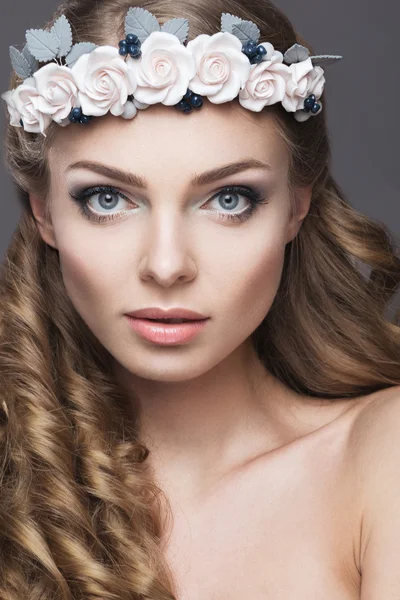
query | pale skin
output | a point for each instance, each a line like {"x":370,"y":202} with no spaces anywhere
{"x":260,"y":478}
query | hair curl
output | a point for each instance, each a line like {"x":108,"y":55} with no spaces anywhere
{"x":81,"y":516}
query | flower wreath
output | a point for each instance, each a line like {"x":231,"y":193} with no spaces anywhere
{"x":155,"y":64}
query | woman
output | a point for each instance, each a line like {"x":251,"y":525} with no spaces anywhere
{"x":249,"y":454}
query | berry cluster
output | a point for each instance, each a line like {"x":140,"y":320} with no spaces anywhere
{"x":190,"y":101}
{"x":76,"y":116}
{"x":254,"y":53}
{"x":130,"y":45}
{"x":311,"y":104}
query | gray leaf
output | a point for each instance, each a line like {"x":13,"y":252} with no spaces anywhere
{"x":61,"y":31}
{"x":77,"y":51}
{"x":33,"y":63}
{"x":19,"y":63}
{"x":245,"y":31}
{"x":41,"y":44}
{"x":179,"y":27}
{"x":141,"y":22}
{"x":227,"y":20}
{"x":325,"y":59}
{"x":295,"y":54}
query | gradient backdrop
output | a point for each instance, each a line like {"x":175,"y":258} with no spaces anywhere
{"x":362,"y":91}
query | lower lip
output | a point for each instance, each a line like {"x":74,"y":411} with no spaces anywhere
{"x":164,"y":333}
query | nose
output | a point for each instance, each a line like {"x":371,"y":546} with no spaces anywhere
{"x":166,"y":257}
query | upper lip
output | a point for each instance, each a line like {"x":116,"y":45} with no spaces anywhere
{"x":171,"y":313}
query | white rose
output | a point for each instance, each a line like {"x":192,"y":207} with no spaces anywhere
{"x":26,"y":98}
{"x":15,"y":116}
{"x":104,"y":81}
{"x":266,"y":84}
{"x":304,"y":79}
{"x":57,"y":90}
{"x":222,"y":68}
{"x":163,"y":71}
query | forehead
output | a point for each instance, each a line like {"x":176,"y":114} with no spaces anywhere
{"x":161,"y":141}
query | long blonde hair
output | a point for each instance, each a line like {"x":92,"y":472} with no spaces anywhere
{"x":81,"y":516}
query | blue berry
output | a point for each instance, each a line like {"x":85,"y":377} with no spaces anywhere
{"x":134,"y":50}
{"x":84,"y":119}
{"x":196,"y":101}
{"x":309,"y":102}
{"x":256,"y":59}
{"x":184,"y":105}
{"x":77,"y":112}
{"x":187,"y":95}
{"x":131,"y":38}
{"x":188,"y":109}
{"x":123,"y":51}
{"x":261,"y":50}
{"x":250,"y":48}
{"x":123,"y":43}
{"x":315,"y":108}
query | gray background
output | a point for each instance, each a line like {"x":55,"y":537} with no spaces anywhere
{"x":362,"y":91}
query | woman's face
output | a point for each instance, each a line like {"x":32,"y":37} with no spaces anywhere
{"x":180,"y":239}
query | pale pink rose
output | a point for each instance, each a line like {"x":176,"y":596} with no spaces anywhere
{"x":266,"y":84}
{"x":305,"y":79}
{"x":26,"y":99}
{"x":15,"y":115}
{"x":57,"y":89}
{"x":104,"y":81}
{"x":222,"y":68}
{"x":163,"y":71}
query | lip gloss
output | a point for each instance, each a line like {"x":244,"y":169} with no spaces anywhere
{"x":166,"y":334}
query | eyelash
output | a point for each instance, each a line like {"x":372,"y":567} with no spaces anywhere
{"x":255,"y":197}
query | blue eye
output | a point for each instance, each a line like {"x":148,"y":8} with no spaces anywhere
{"x":108,"y":197}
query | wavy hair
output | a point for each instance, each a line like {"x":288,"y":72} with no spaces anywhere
{"x":81,"y":516}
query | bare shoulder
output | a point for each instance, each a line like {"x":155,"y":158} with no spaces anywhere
{"x":376,"y":426}
{"x":374,"y":461}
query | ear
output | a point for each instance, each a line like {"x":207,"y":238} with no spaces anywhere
{"x":43,"y":222}
{"x":302,"y":201}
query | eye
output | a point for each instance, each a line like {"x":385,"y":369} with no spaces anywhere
{"x":106,"y":197}
{"x":229,"y":198}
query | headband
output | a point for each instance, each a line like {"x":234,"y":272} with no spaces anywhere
{"x":154,"y":64}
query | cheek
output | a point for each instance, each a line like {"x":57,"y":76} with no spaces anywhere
{"x":251,"y":280}
{"x":88,"y":283}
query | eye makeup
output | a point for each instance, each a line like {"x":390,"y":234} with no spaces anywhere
{"x":107,"y":193}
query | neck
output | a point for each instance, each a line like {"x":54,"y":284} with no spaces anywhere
{"x":200,"y":429}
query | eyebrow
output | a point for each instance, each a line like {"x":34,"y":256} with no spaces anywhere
{"x":198,"y":179}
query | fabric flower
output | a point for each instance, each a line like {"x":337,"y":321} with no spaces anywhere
{"x":222,"y":68}
{"x":304,"y":79}
{"x":26,"y":99}
{"x":163,"y":71}
{"x":104,"y":81}
{"x":266,"y":84}
{"x":15,"y":116}
{"x":57,"y":89}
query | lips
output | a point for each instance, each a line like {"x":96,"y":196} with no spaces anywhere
{"x":167,"y":315}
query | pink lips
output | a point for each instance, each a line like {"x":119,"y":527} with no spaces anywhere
{"x":167,"y":334}
{"x":170,"y":313}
